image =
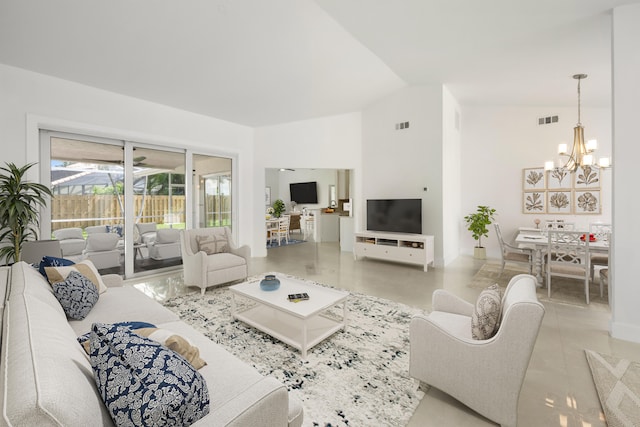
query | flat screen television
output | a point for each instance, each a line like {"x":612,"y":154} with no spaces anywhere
{"x":304,"y":192}
{"x":395,"y":215}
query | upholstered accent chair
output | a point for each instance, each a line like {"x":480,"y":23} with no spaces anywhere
{"x":71,"y":240}
{"x":166,"y":244}
{"x":210,"y":257}
{"x":147,"y":232}
{"x":102,"y":250}
{"x":34,"y":250}
{"x":486,"y":375}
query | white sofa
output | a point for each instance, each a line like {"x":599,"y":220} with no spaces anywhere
{"x":146,"y":232}
{"x":46,"y":378}
{"x":204,"y":270}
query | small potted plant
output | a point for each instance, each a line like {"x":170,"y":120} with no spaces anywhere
{"x":477,"y":223}
{"x":278,"y":208}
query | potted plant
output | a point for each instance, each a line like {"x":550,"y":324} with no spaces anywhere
{"x":477,"y":223}
{"x":19,"y":210}
{"x":278,"y":208}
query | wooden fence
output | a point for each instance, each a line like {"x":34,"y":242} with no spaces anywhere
{"x":84,"y":210}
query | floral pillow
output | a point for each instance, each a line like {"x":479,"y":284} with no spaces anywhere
{"x":142,"y":382}
{"x":486,"y":315}
{"x":76,"y":294}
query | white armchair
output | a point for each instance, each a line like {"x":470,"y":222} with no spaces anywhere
{"x":71,"y":240}
{"x":485,"y":375}
{"x":225,"y":264}
{"x":166,"y":244}
{"x":102,"y":250}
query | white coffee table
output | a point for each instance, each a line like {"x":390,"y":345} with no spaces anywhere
{"x":302,"y":324}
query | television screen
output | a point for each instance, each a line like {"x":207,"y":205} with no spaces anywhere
{"x":395,"y":215}
{"x":304,"y":192}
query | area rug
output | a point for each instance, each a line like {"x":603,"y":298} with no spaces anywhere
{"x":271,"y":245}
{"x":563,"y":291}
{"x":618,"y":384}
{"x":357,"y":377}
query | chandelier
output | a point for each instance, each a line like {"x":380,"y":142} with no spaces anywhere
{"x":580,"y":152}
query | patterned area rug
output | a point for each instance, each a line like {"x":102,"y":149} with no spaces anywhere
{"x":271,"y":245}
{"x":357,"y":377}
{"x":563,"y":291}
{"x":618,"y":384}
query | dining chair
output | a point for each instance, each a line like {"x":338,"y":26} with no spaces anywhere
{"x":513,"y":254}
{"x":282,"y":232}
{"x":602,"y":233}
{"x":568,"y":256}
{"x":308,"y":221}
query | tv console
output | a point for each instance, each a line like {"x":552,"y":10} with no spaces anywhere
{"x":399,"y":247}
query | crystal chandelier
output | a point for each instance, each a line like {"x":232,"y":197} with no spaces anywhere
{"x":581,"y":152}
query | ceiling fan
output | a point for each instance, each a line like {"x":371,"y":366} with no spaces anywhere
{"x":137,"y":161}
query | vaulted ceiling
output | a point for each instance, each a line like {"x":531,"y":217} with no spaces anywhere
{"x":257,"y":62}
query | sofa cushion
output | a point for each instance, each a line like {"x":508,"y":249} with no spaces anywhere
{"x":146,"y":227}
{"x":143,"y":382}
{"x":102,"y":242}
{"x":51,"y":261}
{"x":167,"y":235}
{"x":77,"y":295}
{"x":68,"y":233}
{"x":86,"y":268}
{"x":486,"y":315}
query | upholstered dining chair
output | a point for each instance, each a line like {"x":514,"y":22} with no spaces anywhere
{"x":568,"y":256}
{"x":513,"y":254}
{"x":486,"y":374}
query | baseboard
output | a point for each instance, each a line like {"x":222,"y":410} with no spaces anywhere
{"x":625,"y":331}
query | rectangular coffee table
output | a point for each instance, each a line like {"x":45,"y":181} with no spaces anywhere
{"x":302,"y":324}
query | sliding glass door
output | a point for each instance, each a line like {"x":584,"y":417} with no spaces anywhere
{"x":117,"y":187}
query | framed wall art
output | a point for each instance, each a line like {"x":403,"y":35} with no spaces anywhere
{"x":534,"y":202}
{"x":587,"y":202}
{"x":586,"y":177}
{"x":558,"y":179}
{"x":559,"y":202}
{"x":267,"y":196}
{"x":533,"y":179}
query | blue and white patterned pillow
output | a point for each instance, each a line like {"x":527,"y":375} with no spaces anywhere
{"x":144,"y":383}
{"x":51,"y":261}
{"x":76,"y":294}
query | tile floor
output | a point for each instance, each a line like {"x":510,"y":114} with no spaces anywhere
{"x":558,"y":389}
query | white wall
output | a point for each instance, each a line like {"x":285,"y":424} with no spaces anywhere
{"x":401,"y":163}
{"x":498,"y":142}
{"x":325,"y":143}
{"x":625,"y":318}
{"x":451,"y":174}
{"x":30,"y":100}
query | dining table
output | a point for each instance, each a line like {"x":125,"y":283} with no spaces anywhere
{"x":538,"y":241}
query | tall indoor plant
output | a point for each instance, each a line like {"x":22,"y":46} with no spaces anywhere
{"x":477,"y":223}
{"x":20,"y":201}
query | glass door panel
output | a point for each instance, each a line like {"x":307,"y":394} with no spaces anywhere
{"x":87,"y":179}
{"x":158,"y":204}
{"x":212,"y":195}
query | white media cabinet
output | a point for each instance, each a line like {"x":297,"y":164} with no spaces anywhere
{"x":409,"y":248}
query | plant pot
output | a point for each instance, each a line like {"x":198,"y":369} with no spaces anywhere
{"x":479,"y":253}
